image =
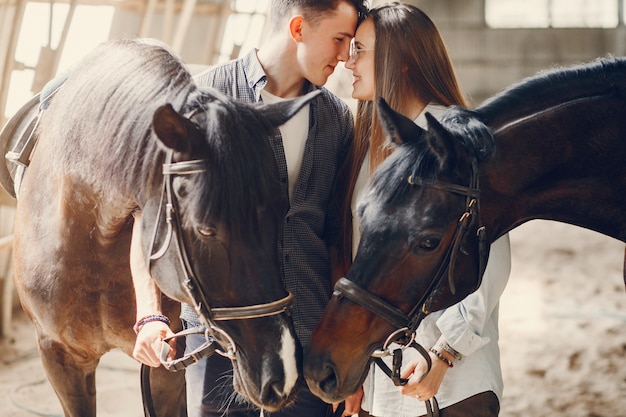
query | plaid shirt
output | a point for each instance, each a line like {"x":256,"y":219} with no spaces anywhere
{"x":312,"y":220}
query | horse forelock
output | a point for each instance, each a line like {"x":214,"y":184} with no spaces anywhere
{"x":417,"y":159}
{"x":467,"y":127}
{"x":390,"y":184}
{"x":241,"y":172}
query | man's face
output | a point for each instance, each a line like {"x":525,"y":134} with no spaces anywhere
{"x":326,"y":43}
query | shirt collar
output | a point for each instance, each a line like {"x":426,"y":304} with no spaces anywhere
{"x":436,"y":110}
{"x":257,"y":78}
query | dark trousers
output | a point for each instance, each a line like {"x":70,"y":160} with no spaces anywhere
{"x":210,"y":391}
{"x":485,"y":404}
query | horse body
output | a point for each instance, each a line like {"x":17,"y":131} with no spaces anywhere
{"x":72,"y":240}
{"x":569,"y":125}
{"x":560,"y":145}
{"x":100,"y":154}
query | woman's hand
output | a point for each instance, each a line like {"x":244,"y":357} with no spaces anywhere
{"x":147,"y":348}
{"x":352,"y":404}
{"x":427,"y":388}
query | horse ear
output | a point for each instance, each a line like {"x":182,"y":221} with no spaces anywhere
{"x":397,"y":128}
{"x":440,"y":140}
{"x":172,"y":129}
{"x":278,"y":113}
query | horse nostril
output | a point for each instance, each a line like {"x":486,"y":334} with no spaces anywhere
{"x":272,"y":394}
{"x":328,"y":380}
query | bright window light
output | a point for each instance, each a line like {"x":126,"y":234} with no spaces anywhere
{"x":551,"y":13}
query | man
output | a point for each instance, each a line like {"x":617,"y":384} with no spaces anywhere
{"x":306,"y":41}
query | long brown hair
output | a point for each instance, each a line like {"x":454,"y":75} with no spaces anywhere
{"x":411,"y":60}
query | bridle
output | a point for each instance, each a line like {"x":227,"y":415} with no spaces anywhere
{"x":407,"y":324}
{"x":208,"y":316}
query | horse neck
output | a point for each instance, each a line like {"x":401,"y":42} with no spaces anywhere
{"x":552,"y":88}
{"x":564,"y":164}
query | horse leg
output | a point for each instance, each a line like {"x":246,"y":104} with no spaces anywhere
{"x":72,"y":376}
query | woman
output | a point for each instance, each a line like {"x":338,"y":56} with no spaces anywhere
{"x":398,"y":54}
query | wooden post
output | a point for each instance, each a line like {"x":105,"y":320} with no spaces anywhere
{"x":9,"y":60}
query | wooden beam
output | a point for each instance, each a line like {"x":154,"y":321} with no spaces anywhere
{"x":9,"y":60}
{"x":183,"y":25}
{"x":138,"y":5}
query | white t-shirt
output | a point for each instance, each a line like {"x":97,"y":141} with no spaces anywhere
{"x":294,"y":133}
{"x":471,"y":328}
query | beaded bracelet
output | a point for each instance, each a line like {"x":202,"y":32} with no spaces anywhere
{"x":450,"y":350}
{"x":442,"y":358}
{"x":147,"y":319}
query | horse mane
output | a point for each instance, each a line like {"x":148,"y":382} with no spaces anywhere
{"x":473,"y":128}
{"x":553,"y":87}
{"x":101,"y":117}
{"x":100,"y":126}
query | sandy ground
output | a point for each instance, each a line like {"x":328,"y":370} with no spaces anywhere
{"x":563,"y":337}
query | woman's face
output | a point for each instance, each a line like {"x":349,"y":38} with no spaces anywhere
{"x":361,"y":61}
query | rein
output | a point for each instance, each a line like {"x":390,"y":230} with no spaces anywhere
{"x":407,"y":324}
{"x":207,"y":315}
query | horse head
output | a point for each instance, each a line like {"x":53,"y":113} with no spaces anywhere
{"x":422,"y":247}
{"x":211,"y":235}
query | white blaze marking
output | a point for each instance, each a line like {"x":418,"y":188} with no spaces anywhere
{"x":288,"y":355}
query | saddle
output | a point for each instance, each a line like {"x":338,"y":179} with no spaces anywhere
{"x":18,"y":138}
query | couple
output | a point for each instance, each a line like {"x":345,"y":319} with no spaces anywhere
{"x":395,"y":52}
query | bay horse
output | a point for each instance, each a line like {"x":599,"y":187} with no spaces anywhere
{"x":128,"y":130}
{"x":552,"y":147}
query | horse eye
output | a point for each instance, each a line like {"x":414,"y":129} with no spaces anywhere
{"x":207,"y":231}
{"x":427,"y":245}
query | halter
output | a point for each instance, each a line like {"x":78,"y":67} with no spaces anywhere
{"x":207,"y":315}
{"x":407,"y":324}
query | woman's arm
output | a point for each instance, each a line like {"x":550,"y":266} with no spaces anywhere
{"x":151,"y":325}
{"x":462,"y":326}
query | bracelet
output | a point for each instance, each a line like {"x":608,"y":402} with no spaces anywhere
{"x":450,"y":350}
{"x":442,"y":358}
{"x":147,"y":319}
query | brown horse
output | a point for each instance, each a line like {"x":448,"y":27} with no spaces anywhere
{"x":128,"y":130}
{"x":551,"y":147}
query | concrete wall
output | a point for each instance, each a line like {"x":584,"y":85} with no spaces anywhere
{"x":488,"y":59}
{"x":202,"y":36}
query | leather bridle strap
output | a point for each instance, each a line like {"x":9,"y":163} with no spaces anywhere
{"x":373,"y":303}
{"x":390,"y":313}
{"x":407,"y":324}
{"x":252,"y":312}
{"x":207,"y":315}
{"x":470,"y":191}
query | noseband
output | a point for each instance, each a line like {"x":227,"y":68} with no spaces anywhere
{"x":407,"y":324}
{"x":208,"y":316}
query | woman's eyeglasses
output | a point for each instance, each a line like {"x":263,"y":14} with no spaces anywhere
{"x":355,"y":51}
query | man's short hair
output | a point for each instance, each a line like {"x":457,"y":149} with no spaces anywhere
{"x":312,"y":10}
